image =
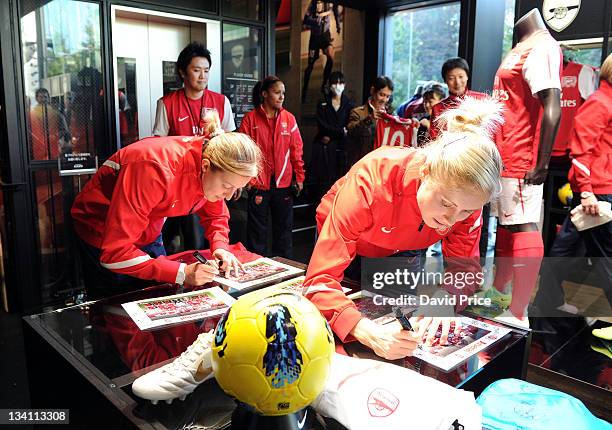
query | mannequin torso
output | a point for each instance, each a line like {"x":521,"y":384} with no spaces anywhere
{"x":531,"y":69}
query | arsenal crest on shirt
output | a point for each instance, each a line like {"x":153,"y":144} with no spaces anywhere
{"x":559,"y":14}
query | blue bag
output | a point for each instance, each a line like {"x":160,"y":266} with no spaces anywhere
{"x":512,"y":404}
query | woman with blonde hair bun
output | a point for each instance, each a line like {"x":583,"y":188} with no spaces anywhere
{"x":400,"y":199}
{"x":119,"y":215}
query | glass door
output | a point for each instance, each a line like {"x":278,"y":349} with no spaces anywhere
{"x":146,"y":71}
{"x":64,"y":106}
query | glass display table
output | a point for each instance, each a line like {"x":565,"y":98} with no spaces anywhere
{"x":86,"y":357}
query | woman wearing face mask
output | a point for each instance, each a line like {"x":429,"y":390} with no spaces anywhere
{"x":362,"y":120}
{"x":329,"y":150}
{"x":399,"y":199}
{"x":120,"y":212}
{"x":275,"y":131}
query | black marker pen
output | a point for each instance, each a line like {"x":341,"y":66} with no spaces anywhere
{"x":405,"y":323}
{"x":199,"y":257}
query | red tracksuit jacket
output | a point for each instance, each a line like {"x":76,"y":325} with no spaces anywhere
{"x":591,"y":143}
{"x":124,"y":206}
{"x":179,"y":116}
{"x":373,"y":212}
{"x":281,"y":147}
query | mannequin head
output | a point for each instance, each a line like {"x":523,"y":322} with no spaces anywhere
{"x":528,"y":24}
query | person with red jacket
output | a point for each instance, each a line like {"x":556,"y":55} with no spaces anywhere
{"x":455,"y":72}
{"x":120,"y":212}
{"x":591,"y":172}
{"x":397,"y":199}
{"x":182,"y":112}
{"x":276,"y":132}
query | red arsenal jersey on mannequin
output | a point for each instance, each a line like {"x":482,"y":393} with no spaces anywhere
{"x":532,"y":66}
{"x":178,"y":115}
{"x":577,"y":84}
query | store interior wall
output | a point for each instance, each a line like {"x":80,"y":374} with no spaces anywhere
{"x":352,"y":63}
{"x":488,"y":27}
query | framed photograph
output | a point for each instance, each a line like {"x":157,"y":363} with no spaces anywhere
{"x":149,"y":314}
{"x":473,"y":337}
{"x":257,"y":273}
{"x":242,"y":66}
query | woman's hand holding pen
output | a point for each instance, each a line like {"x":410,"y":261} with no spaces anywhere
{"x":389,"y":341}
{"x":197,"y":274}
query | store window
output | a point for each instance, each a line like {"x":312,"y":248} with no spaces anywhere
{"x":585,"y":54}
{"x":417,"y":42}
{"x":62,"y":77}
{"x":242,"y":66}
{"x":508,"y":27}
{"x":247,"y":9}
{"x":64,"y":107}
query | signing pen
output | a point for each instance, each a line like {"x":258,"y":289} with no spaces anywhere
{"x":202,"y":259}
{"x":405,"y":323}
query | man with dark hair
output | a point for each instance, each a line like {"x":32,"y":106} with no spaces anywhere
{"x":181,"y":112}
{"x":361,"y":126}
{"x":455,"y":63}
{"x":455,"y":72}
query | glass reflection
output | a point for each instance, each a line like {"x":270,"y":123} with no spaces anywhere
{"x":62,"y":78}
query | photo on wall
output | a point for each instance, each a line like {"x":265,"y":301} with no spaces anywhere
{"x":242,"y":66}
{"x":321,"y":47}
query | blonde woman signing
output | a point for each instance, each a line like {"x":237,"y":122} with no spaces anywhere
{"x":119,"y":215}
{"x":400,"y":199}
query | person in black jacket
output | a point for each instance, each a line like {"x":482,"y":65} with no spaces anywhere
{"x":329,"y":160}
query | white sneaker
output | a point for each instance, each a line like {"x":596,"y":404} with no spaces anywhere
{"x":179,"y":378}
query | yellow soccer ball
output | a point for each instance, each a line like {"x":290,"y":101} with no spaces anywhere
{"x":272,"y":350}
{"x":565,"y":194}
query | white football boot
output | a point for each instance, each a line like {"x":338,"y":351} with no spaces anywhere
{"x":179,"y":378}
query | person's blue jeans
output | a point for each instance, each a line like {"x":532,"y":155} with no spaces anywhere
{"x":101,"y":282}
